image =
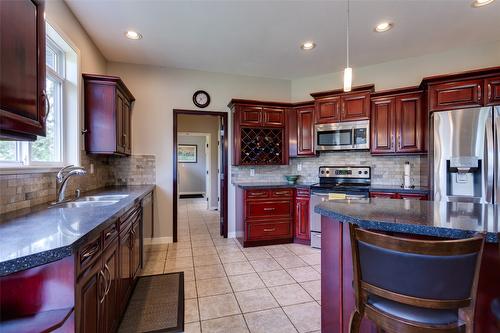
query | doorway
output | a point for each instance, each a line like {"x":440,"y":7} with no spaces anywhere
{"x":216,"y":186}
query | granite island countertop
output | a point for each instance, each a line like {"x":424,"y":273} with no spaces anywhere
{"x":43,"y":234}
{"x":431,"y":218}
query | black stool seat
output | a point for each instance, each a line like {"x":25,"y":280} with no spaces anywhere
{"x":413,"y":313}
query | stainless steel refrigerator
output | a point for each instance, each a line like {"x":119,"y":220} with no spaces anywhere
{"x":465,"y":155}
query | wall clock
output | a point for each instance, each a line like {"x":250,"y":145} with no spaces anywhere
{"x":201,"y":99}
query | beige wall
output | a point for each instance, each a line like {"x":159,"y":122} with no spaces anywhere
{"x":204,"y":124}
{"x":160,"y":90}
{"x":405,"y":72}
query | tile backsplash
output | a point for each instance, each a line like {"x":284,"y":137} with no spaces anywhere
{"x":386,"y":170}
{"x":25,"y":190}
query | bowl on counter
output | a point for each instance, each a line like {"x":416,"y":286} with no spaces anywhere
{"x":292,"y":179}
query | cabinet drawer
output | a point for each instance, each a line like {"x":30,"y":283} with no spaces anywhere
{"x":258,"y":209}
{"x":302,"y":192}
{"x":88,"y":253}
{"x":257,"y":194}
{"x":128,"y":217}
{"x":110,"y":233}
{"x":413,"y":196}
{"x":389,"y":195}
{"x":282,"y":193}
{"x":269,"y":230}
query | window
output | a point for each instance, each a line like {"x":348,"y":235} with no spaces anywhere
{"x":49,"y":151}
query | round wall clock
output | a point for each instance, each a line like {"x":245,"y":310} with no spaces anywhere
{"x":201,"y":99}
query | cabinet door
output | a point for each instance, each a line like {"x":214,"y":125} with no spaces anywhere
{"x":110,"y":311}
{"x":327,"y":110}
{"x":388,"y":195}
{"x":250,"y":116}
{"x":446,"y":96}
{"x":22,"y":80}
{"x":382,"y":126}
{"x":305,"y":132}
{"x":302,"y":230}
{"x":410,"y":124}
{"x":355,"y":106}
{"x":120,"y":131}
{"x":127,"y":140}
{"x":136,"y":247}
{"x":492,"y":91}
{"x":273,"y":117}
{"x":90,"y":289}
{"x":125,"y":269}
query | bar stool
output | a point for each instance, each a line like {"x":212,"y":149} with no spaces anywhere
{"x":414,"y":286}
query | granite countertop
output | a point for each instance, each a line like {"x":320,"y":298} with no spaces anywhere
{"x":257,"y":185}
{"x":44,"y":234}
{"x":432,"y":218}
{"x":399,"y":189}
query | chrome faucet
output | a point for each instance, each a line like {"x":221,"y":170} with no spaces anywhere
{"x":62,"y":179}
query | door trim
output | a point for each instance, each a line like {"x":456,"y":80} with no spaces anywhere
{"x":224,"y":171}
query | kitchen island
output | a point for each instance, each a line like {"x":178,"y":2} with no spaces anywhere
{"x":409,"y":218}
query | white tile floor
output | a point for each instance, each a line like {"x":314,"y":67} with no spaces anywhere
{"x":267,"y":289}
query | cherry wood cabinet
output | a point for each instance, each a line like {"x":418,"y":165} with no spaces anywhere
{"x":336,"y":106}
{"x":260,"y":132}
{"x":452,"y":95}
{"x":23,"y":102}
{"x":305,"y":131}
{"x":108,"y":105}
{"x":395,"y":195}
{"x":302,"y":224}
{"x":492,"y":95}
{"x":89,"y":292}
{"x":398,"y":124}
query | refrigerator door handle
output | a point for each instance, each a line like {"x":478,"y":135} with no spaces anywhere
{"x":496,"y":153}
{"x":489,"y":162}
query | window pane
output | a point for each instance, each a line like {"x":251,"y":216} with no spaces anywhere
{"x":51,"y":58}
{"x":46,"y":149}
{"x":8,"y":151}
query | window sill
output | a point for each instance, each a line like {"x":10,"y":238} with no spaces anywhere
{"x":20,"y":170}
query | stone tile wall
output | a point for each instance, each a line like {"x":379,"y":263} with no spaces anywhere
{"x":24,"y":190}
{"x":386,"y":170}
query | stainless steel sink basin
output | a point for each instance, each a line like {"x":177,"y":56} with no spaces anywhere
{"x":109,"y":197}
{"x":81,"y":204}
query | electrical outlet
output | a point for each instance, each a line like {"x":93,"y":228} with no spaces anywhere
{"x":91,"y":168}
{"x":252,"y":172}
{"x":299,"y":167}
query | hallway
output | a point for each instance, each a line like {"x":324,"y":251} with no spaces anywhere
{"x":267,"y":289}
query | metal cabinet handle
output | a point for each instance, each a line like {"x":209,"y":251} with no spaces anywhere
{"x":109,"y":279}
{"x":269,"y":230}
{"x":281,"y":192}
{"x":103,"y":279}
{"x":489,"y":92}
{"x":267,"y":209}
{"x":84,"y":131}
{"x":479,"y":93}
{"x":107,"y":234}
{"x":91,"y":252}
{"x":257,"y":194}
{"x":47,"y":104}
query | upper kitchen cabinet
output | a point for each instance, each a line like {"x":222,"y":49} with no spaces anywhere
{"x":108,"y":106}
{"x":398,"y":122}
{"x":301,"y":129}
{"x":337,"y":106}
{"x":23,"y":101}
{"x":260,"y":132}
{"x":463,"y":90}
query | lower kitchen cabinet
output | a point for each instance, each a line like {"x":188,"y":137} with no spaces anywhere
{"x":89,"y":291}
{"x":302,"y":227}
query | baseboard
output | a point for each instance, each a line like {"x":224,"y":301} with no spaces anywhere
{"x":158,"y":240}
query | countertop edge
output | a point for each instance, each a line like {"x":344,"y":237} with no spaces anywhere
{"x":26,"y":262}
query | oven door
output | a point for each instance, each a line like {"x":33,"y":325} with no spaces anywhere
{"x":343,"y":136}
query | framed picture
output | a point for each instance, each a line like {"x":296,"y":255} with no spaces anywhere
{"x":187,"y":153}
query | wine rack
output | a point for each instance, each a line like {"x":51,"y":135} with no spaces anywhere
{"x":261,"y":146}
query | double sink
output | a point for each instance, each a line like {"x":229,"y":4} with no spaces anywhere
{"x":92,"y":201}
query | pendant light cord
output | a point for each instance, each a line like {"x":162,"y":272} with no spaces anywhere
{"x":347,"y":39}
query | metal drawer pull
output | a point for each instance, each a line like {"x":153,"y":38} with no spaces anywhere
{"x":269,"y":209}
{"x":269,"y":230}
{"x":109,"y":279}
{"x":91,"y":252}
{"x":109,"y":233}
{"x":254,"y":194}
{"x":281,"y":192}
{"x":104,"y":279}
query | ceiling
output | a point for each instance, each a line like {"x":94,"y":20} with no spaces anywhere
{"x":263,"y":38}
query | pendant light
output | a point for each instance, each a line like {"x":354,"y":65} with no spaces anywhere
{"x":347,"y":70}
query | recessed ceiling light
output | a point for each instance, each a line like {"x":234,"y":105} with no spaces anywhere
{"x":480,"y":3}
{"x":131,"y":34}
{"x":308,"y":46}
{"x":383,"y":26}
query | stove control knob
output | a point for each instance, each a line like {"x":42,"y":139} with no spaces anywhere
{"x":366,"y":172}
{"x":327,"y":172}
{"x":360,"y":172}
{"x":322,"y":172}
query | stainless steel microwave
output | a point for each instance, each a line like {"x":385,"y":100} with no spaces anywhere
{"x":343,"y":136}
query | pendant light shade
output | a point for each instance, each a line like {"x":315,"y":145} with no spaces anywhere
{"x":347,"y":79}
{"x":347,"y":70}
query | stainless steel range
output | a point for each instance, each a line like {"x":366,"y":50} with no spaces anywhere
{"x":353,"y":181}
